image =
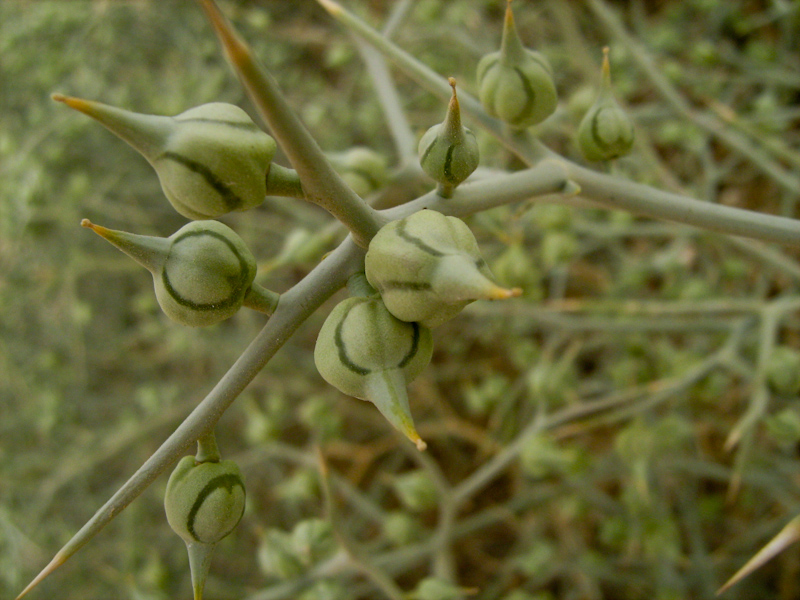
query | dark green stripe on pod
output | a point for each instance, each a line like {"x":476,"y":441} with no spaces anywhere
{"x":210,"y":160}
{"x":515,"y":84}
{"x":347,"y":363}
{"x":427,"y":268}
{"x":206,"y":275}
{"x":224,"y":515}
{"x":361,"y":338}
{"x":201,"y":273}
{"x":233,"y":282}
{"x":448,"y":152}
{"x":228,"y":197}
{"x":204,"y":501}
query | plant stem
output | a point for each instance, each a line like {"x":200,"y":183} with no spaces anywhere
{"x":296,"y":306}
{"x":284,"y":182}
{"x":321,"y":183}
{"x":604,"y":189}
{"x":706,"y":122}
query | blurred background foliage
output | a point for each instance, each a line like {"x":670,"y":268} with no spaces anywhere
{"x":662,"y":362}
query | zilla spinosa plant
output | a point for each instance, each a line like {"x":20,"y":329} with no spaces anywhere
{"x":408,"y":269}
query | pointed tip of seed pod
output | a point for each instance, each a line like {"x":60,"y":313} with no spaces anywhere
{"x":387,"y":391}
{"x":145,"y":133}
{"x":452,"y":122}
{"x":199,"y":565}
{"x":509,"y":13}
{"x":511,"y":48}
{"x":606,"y":68}
{"x":499,"y":293}
{"x":79,"y":104}
{"x":148,"y":251}
{"x":457,"y":279}
{"x":103,"y":232}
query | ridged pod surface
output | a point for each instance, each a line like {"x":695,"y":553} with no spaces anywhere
{"x":204,"y":501}
{"x":211,"y":160}
{"x":515,"y":84}
{"x":428,"y":267}
{"x":365,"y":352}
{"x":606,"y":131}
{"x":448,"y":152}
{"x":201,"y":273}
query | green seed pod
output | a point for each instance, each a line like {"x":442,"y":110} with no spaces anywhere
{"x":204,"y":501}
{"x":363,"y":169}
{"x":401,"y":528}
{"x":313,"y":540}
{"x":416,"y":491}
{"x":448,"y":152}
{"x":277,"y":557}
{"x":210,"y":160}
{"x":516,"y":84}
{"x":203,"y":273}
{"x":363,"y":351}
{"x":433,"y":588}
{"x":427,"y":268}
{"x":326,"y":589}
{"x":783,"y":370}
{"x":606,"y":131}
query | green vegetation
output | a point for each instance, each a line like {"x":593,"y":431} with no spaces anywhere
{"x":627,"y":428}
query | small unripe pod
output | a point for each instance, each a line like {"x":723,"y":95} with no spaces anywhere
{"x":202,"y":273}
{"x":433,"y":588}
{"x":606,"y":131}
{"x":363,"y":169}
{"x":515,"y":84}
{"x":783,"y":370}
{"x":204,"y":501}
{"x":416,"y":490}
{"x":365,"y":352}
{"x":427,"y":268}
{"x":210,"y":160}
{"x":448,"y":152}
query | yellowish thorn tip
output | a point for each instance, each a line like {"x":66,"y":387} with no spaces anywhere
{"x":420,"y":444}
{"x":498,"y":293}
{"x":98,"y":229}
{"x":57,"y":561}
{"x":79,"y":104}
{"x":331,"y":6}
{"x":237,"y":51}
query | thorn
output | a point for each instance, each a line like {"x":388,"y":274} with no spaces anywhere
{"x":79,"y":104}
{"x":238,"y":53}
{"x":499,"y":293}
{"x":332,"y":7}
{"x":785,"y":538}
{"x":571,"y":188}
{"x":606,"y":69}
{"x":54,"y":564}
